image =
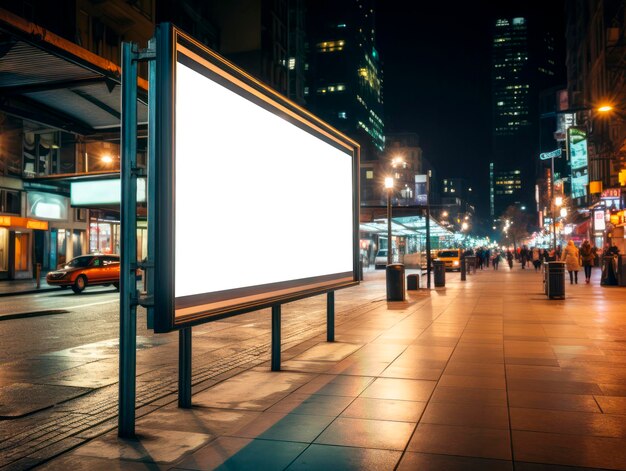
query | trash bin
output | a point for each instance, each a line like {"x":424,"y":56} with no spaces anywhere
{"x":439,"y":268}
{"x":609,"y":271}
{"x":412,"y":282}
{"x":621,"y":270}
{"x":395,"y":282}
{"x":555,"y":280}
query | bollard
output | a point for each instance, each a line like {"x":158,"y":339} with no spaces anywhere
{"x":463,"y":269}
{"x":38,"y":274}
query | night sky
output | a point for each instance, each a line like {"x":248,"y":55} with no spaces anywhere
{"x":437,"y":80}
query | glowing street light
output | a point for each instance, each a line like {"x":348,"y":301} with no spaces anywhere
{"x":107,"y":159}
{"x":605,"y":108}
{"x":558,"y":201}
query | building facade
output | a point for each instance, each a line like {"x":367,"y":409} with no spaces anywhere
{"x":596,"y":53}
{"x":344,"y":76}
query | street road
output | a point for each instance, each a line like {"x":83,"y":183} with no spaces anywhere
{"x":91,"y":317}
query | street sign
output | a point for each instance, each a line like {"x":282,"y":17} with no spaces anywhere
{"x":550,"y":155}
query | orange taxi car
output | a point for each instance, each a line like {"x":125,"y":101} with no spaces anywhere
{"x":87,"y":270}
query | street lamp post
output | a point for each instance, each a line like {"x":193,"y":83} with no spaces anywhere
{"x":389,"y":188}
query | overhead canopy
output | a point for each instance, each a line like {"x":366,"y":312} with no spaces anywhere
{"x":404,"y":226}
{"x":50,"y":80}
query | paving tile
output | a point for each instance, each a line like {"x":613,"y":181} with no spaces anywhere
{"x":328,"y":351}
{"x":150,"y":446}
{"x":407,"y":372}
{"x":496,"y":417}
{"x":400,"y":389}
{"x":252,"y":390}
{"x":284,"y":427}
{"x":20,"y":399}
{"x":565,"y":387}
{"x":459,"y":381}
{"x":385,"y":409}
{"x":336,"y":385}
{"x":612,"y":404}
{"x":231,"y":453}
{"x":318,"y":457}
{"x":312,"y":404}
{"x":212,"y":422}
{"x":72,"y":461}
{"x":365,"y":433}
{"x":568,"y":422}
{"x":470,"y":396}
{"x":460,"y":368}
{"x":569,"y":450}
{"x":553,"y":401}
{"x":461,"y":440}
{"x":429,"y":462}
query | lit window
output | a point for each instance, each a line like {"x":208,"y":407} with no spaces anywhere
{"x":292,"y":63}
{"x":306,"y":90}
{"x":341,"y":25}
{"x":369,"y":174}
{"x":342,"y":115}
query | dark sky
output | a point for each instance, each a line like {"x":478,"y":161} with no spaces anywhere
{"x":436,"y":61}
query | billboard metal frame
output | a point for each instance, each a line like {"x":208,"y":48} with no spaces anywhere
{"x":171,"y":42}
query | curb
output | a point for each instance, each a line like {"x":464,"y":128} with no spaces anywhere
{"x":29,"y":291}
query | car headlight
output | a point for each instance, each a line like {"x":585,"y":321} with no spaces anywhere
{"x":455,"y":263}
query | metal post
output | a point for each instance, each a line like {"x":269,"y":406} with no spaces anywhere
{"x":389,"y":244}
{"x":463,"y":267}
{"x":184,"y":368}
{"x":428,"y":257}
{"x":552,"y":205}
{"x":330,"y":316}
{"x":151,"y":184}
{"x":276,"y":337}
{"x":128,"y":285}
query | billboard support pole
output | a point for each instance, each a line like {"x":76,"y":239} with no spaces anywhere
{"x":276,"y":337}
{"x":330,"y":316}
{"x":184,"y":368}
{"x":128,"y":263}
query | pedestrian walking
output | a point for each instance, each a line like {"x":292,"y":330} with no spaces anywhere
{"x":536,"y":257}
{"x":495,"y":261}
{"x":588,"y":258}
{"x":509,"y":258}
{"x":571,"y":257}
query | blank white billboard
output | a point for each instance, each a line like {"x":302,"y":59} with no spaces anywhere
{"x":258,"y":200}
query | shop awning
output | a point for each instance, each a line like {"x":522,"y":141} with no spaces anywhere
{"x":17,"y":222}
{"x":52,"y":81}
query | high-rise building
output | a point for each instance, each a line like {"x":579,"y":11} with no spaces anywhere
{"x":524,"y":55}
{"x":344,"y":77}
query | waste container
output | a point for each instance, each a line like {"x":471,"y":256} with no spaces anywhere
{"x":621,"y":270}
{"x":395,"y":282}
{"x":439,"y":268}
{"x":609,"y":270}
{"x":412,"y":282}
{"x":555,"y":280}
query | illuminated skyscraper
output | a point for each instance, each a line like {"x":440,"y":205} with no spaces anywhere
{"x":524,"y":63}
{"x":344,"y":77}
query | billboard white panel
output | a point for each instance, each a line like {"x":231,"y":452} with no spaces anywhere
{"x":250,"y":188}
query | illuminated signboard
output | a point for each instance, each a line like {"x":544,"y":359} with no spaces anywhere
{"x":102,"y":192}
{"x":577,"y":144}
{"x":47,"y":206}
{"x":598,"y":220}
{"x":242,"y":174}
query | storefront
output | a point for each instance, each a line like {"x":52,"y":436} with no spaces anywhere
{"x":17,"y":236}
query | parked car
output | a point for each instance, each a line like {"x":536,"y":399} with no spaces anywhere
{"x":381,"y":259}
{"x":451,"y":258}
{"x":87,"y":270}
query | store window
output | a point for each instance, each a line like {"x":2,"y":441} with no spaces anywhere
{"x":41,"y":153}
{"x":4,"y":249}
{"x":10,"y":145}
{"x":21,"y":251}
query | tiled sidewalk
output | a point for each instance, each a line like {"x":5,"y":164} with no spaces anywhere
{"x":482,"y":375}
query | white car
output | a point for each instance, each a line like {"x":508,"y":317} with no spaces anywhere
{"x":381,"y":259}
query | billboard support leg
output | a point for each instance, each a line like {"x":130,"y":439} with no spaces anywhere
{"x":128,"y":248}
{"x":184,"y":368}
{"x":330,"y":316}
{"x":276,"y":337}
